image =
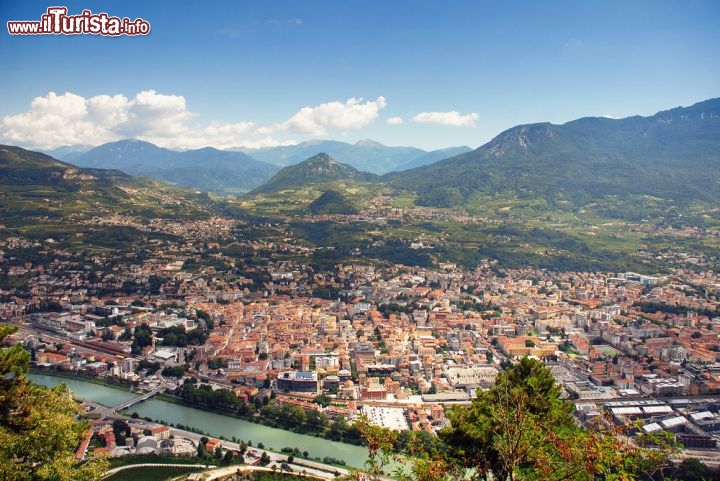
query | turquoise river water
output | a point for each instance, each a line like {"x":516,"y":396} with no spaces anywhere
{"x":214,"y":424}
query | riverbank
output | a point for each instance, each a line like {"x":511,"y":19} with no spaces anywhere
{"x":255,"y":419}
{"x":80,"y":377}
{"x":214,"y":424}
{"x":172,"y":399}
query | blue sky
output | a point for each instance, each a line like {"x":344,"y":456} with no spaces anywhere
{"x":421,"y":73}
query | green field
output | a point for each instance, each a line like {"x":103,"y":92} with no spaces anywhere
{"x":607,"y":350}
{"x":152,"y":473}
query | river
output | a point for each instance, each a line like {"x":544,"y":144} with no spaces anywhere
{"x":214,"y":424}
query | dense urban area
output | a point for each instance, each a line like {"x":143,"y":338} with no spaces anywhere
{"x":251,"y":327}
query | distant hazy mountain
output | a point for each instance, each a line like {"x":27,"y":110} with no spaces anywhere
{"x":206,"y":169}
{"x":433,"y":156}
{"x":317,"y":169}
{"x":132,"y":156}
{"x":673,"y":155}
{"x":365,"y":155}
{"x":67,"y":153}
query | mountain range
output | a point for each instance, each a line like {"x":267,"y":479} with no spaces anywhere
{"x":672,"y":155}
{"x":365,"y":155}
{"x":552,"y":195}
{"x":240,"y":170}
{"x":206,"y":169}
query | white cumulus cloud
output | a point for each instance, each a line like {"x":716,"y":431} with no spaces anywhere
{"x":154,"y":115}
{"x":61,"y":119}
{"x":395,"y":121}
{"x":54,"y":120}
{"x":453,"y":118}
{"x":353,"y":114}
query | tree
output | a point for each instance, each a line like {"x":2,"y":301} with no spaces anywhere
{"x":692,"y":469}
{"x":338,"y":428}
{"x":380,"y":443}
{"x":126,"y":335}
{"x":154,"y":284}
{"x":316,"y":421}
{"x":293,"y":416}
{"x":121,"y":430}
{"x":39,"y":430}
{"x":520,"y":429}
{"x":322,"y":399}
{"x":142,"y":337}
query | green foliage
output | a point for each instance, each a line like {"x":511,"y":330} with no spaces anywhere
{"x":121,"y":430}
{"x":616,"y":164}
{"x":497,"y":433}
{"x":201,"y":450}
{"x":519,"y":429}
{"x":126,"y":335}
{"x":152,"y":473}
{"x":380,"y":443}
{"x":228,"y":458}
{"x":39,"y":430}
{"x":441,"y":197}
{"x":154,"y":284}
{"x":693,"y":469}
{"x":217,"y":363}
{"x":653,"y":307}
{"x":37,"y":187}
{"x":332,"y":460}
{"x":178,"y":336}
{"x":173,"y":371}
{"x":151,"y":366}
{"x":317,"y":169}
{"x":322,"y":399}
{"x":142,"y":337}
{"x":294,"y":418}
{"x":152,"y":458}
{"x":204,"y":394}
{"x":332,"y":202}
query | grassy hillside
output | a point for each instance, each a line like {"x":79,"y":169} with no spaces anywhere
{"x":318,"y":169}
{"x":37,"y":189}
{"x":332,"y":202}
{"x":671,"y":158}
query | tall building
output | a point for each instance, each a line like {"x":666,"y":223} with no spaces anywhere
{"x":298,"y":381}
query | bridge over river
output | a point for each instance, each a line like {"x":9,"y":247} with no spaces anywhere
{"x":138,"y":399}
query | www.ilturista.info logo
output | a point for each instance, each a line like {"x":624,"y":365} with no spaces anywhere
{"x":57,"y":22}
